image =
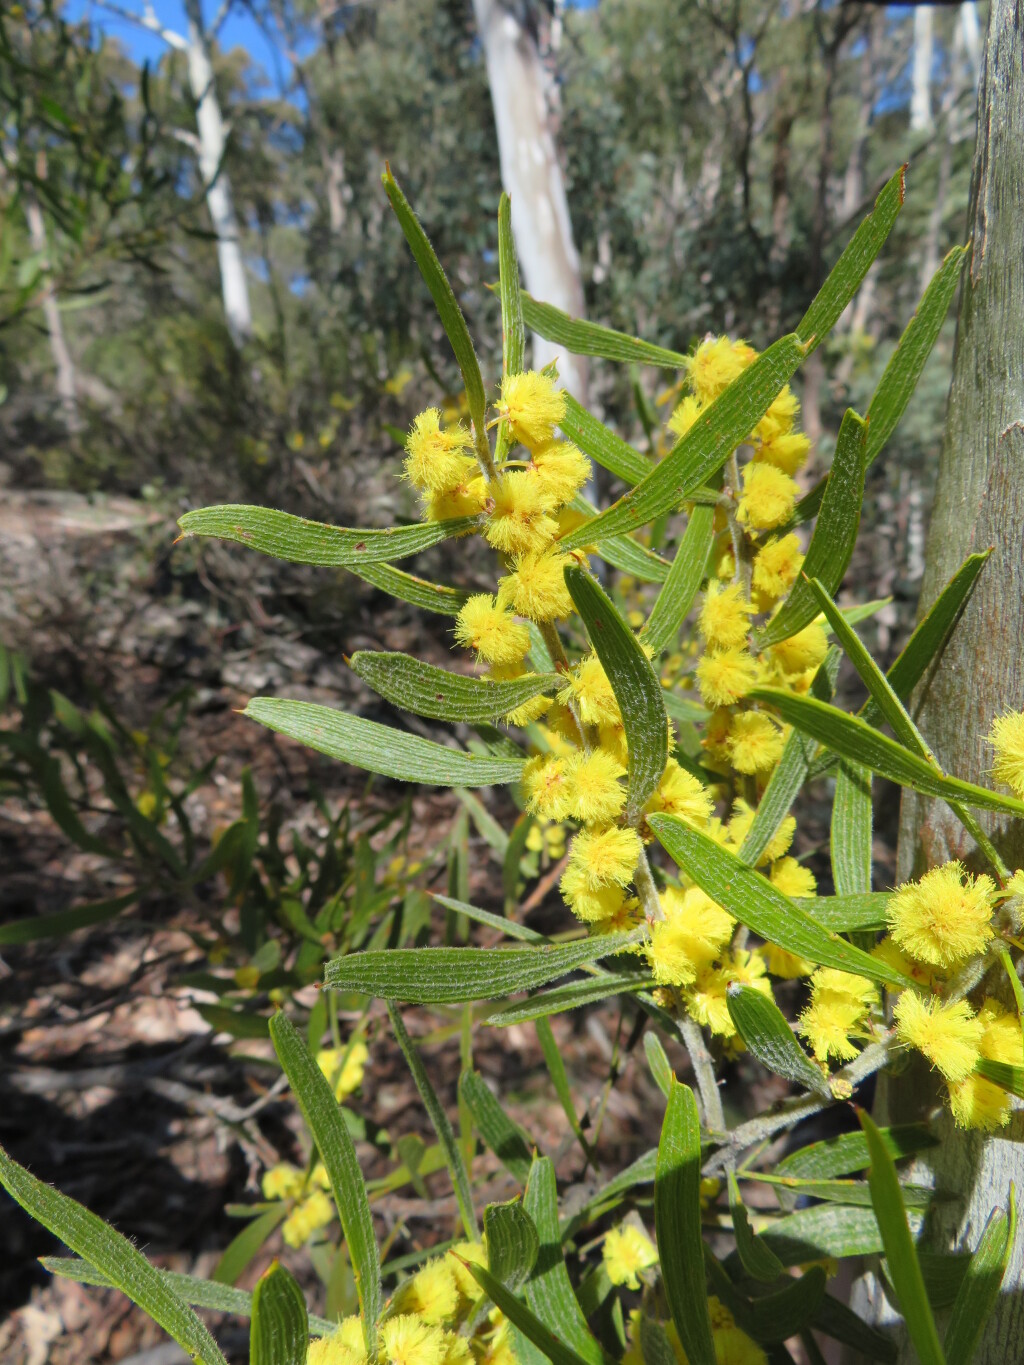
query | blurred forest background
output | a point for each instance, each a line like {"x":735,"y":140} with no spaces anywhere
{"x":204,"y":298}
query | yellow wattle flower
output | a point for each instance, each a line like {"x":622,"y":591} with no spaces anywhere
{"x":627,"y":1251}
{"x":944,"y":918}
{"x":493,"y":632}
{"x":768,"y":497}
{"x":1007,"y":739}
{"x":436,"y":461}
{"x":949,"y":1035}
{"x":533,"y":405}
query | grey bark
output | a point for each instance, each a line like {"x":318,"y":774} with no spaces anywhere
{"x":979,"y":502}
{"x":67,"y":388}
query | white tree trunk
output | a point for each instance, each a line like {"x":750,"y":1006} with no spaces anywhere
{"x":532,"y":175}
{"x":212,"y":143}
{"x":921,"y":90}
{"x":63,"y":363}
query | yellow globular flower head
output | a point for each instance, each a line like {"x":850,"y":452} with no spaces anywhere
{"x":684,"y":415}
{"x":782,"y":963}
{"x":546,"y":786}
{"x":839,"y":1003}
{"x":787,"y":451}
{"x":408,"y":1340}
{"x":313,"y":1213}
{"x":432,"y":1293}
{"x":598,"y":907}
{"x":715,"y":363}
{"x":777,"y":564}
{"x":739,"y":826}
{"x":944,"y":918}
{"x":606,"y":857}
{"x":282,"y":1181}
{"x":975,"y":1101}
{"x":536,"y":586}
{"x":724,"y":620}
{"x":561,"y":470}
{"x":768,"y":497}
{"x":680,"y":793}
{"x":520,"y":520}
{"x":467,"y":500}
{"x":533,"y":406}
{"x":596,"y":796}
{"x":491,"y":630}
{"x":707,"y":998}
{"x":793,"y":878}
{"x":949,"y":1035}
{"x":779,"y":419}
{"x":436,"y":459}
{"x":692,"y":935}
{"x":345,"y":1346}
{"x":530,"y":710}
{"x":474,"y":1252}
{"x":892,"y":955}
{"x":734,"y":1347}
{"x":806,"y":649}
{"x":755,"y":743}
{"x":588,"y":687}
{"x":726,"y":677}
{"x":1007,"y":739}
{"x":344,"y":1067}
{"x":627,"y":1251}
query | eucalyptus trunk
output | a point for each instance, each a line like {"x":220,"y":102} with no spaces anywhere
{"x":979,"y":502}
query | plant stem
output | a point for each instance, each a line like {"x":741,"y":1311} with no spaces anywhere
{"x":646,"y":889}
{"x":704,"y":1073}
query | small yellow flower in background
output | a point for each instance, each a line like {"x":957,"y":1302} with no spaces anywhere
{"x":680,"y":793}
{"x":546,"y":786}
{"x":1007,"y":738}
{"x":726,"y":677}
{"x":627,"y":1251}
{"x":949,"y":1035}
{"x":768,"y":497}
{"x":536,"y":586}
{"x":693,"y":933}
{"x":839,"y":1004}
{"x":533,"y":406}
{"x":944,"y":918}
{"x":346,"y":1346}
{"x":755,"y":743}
{"x":684,"y":415}
{"x":724,"y":619}
{"x":596,"y":795}
{"x":561,"y":470}
{"x":436,"y":459}
{"x":408,"y":1340}
{"x":493,"y":632}
{"x":520,"y":519}
{"x":787,"y":451}
{"x":606,"y":857}
{"x":282,"y":1181}
{"x":714,"y":365}
{"x":806,"y":649}
{"x":313,"y":1213}
{"x":344,"y":1067}
{"x":1015,"y":885}
{"x":777,"y":564}
{"x":793,"y":878}
{"x":589,"y":688}
{"x":432,"y":1293}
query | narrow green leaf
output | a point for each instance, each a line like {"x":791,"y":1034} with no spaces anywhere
{"x":635,"y":684}
{"x":629,"y":556}
{"x":676,"y":597}
{"x":848,"y":272}
{"x":279,"y":1334}
{"x":849,"y":1152}
{"x":975,"y":1302}
{"x":640,"y":1172}
{"x":853,"y":1192}
{"x":380,"y":748}
{"x":555,"y":1064}
{"x":850,"y":737}
{"x":513,"y":333}
{"x":508,"y":927}
{"x":1004,"y":1074}
{"x":323,"y":1118}
{"x":590,"y":338}
{"x":407,"y":587}
{"x":900,"y":1250}
{"x":220,"y":1298}
{"x":655,"y":1345}
{"x":448,"y":976}
{"x":758,"y":1259}
{"x":125,"y":1267}
{"x":661,"y":1067}
{"x":238,"y":1255}
{"x":704,"y":448}
{"x":512,"y":1242}
{"x":427,"y":690}
{"x":835,"y":532}
{"x":904,"y":368}
{"x":851,"y":838}
{"x":299,"y":541}
{"x":64,"y":922}
{"x":602,"y":445}
{"x":549,"y":1290}
{"x":509,"y":1143}
{"x":770,"y":1038}
{"x":827,"y":1230}
{"x":524,"y":1319}
{"x":866,"y":910}
{"x":571,"y":997}
{"x":514,"y":851}
{"x":840,"y":1322}
{"x":755,"y":902}
{"x":678,"y":1225}
{"x":439,"y":1119}
{"x":444,"y":300}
